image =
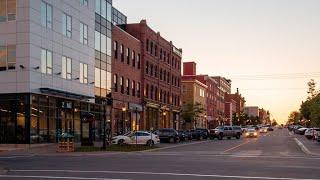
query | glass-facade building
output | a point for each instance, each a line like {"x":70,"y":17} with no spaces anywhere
{"x":55,"y":73}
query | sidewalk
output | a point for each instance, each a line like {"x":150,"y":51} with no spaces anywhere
{"x":311,"y":147}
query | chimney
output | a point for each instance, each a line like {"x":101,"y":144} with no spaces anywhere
{"x":143,"y":21}
{"x":189,"y":68}
{"x":237,"y":90}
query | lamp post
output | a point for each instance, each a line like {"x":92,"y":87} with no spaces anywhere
{"x":206,"y":120}
{"x":104,"y":147}
{"x":123,"y":119}
{"x":163,"y":118}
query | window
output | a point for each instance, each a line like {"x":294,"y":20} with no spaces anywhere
{"x":160,"y":74}
{"x":146,"y":93}
{"x":133,"y":55}
{"x":128,"y":86}
{"x":46,"y":15}
{"x":202,"y":93}
{"x":156,"y":71}
{"x":83,"y":33}
{"x":151,"y":48}
{"x":7,"y":57}
{"x":168,"y":77}
{"x":115,"y":82}
{"x":147,"y":67}
{"x":151,"y":92}
{"x":46,"y":61}
{"x":138,"y":89}
{"x":67,"y":25}
{"x":84,"y":2}
{"x":100,"y":78}
{"x":128,"y":55}
{"x":133,"y":88}
{"x":138,"y":61}
{"x":83,"y":73}
{"x":103,"y":42}
{"x":97,"y":38}
{"x":161,"y":53}
{"x":147,"y":45}
{"x":104,"y":9}
{"x":121,"y":53}
{"x":66,"y":68}
{"x":156,"y":50}
{"x":8,"y":10}
{"x":115,"y":49}
{"x":122,"y":84}
{"x":164,"y":75}
{"x":151,"y":70}
{"x":164,"y":56}
{"x":156,"y":95}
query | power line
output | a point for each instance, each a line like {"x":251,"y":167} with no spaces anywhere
{"x":277,"y":76}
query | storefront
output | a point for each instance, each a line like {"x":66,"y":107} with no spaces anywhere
{"x":35,"y":118}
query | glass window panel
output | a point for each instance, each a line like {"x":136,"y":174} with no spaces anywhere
{"x":11,"y":9}
{"x":104,"y":8}
{"x":104,"y":44}
{"x":97,"y":77}
{"x":97,"y":40}
{"x":49,"y":16}
{"x":98,"y":6}
{"x":69,"y":26}
{"x":104,"y":79}
{"x":108,"y":80}
{"x":12,"y":53}
{"x":85,"y":68}
{"x":43,"y":61}
{"x":108,"y":46}
{"x":64,"y":24}
{"x":3,"y":58}
{"x":81,"y":32}
{"x":43,"y":14}
{"x":81,"y":73}
{"x":49,"y":59}
{"x":64,"y":67}
{"x":109,"y":12}
{"x":3,"y":11}
{"x":69,"y":66}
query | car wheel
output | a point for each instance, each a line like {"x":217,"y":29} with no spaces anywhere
{"x":229,"y":137}
{"x":171,"y":140}
{"x":238,"y":136}
{"x":121,"y":142}
{"x":150,"y":143}
{"x":201,"y":138}
{"x":220,"y":137}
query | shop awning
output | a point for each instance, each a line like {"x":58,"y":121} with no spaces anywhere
{"x":56,"y":92}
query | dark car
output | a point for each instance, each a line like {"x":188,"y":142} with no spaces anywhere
{"x":204,"y":132}
{"x":188,"y":134}
{"x":197,"y":134}
{"x":270,"y":128}
{"x":167,"y":135}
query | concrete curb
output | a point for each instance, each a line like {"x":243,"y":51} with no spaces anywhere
{"x":304,"y":148}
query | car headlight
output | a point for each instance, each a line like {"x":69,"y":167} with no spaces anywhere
{"x":255,"y":134}
{"x":247,"y":134}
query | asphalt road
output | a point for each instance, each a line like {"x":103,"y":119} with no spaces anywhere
{"x":271,"y":156}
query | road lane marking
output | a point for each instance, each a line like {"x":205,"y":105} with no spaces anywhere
{"x":303,"y":147}
{"x":167,"y":174}
{"x":56,"y":177}
{"x":175,"y":146}
{"x":14,"y":157}
{"x":235,"y":147}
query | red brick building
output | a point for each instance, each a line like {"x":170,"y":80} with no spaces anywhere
{"x":161,"y":77}
{"x":126,"y":78}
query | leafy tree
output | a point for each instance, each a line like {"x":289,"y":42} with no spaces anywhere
{"x":312,"y":89}
{"x":274,"y":122}
{"x":294,"y":117}
{"x":191,"y":112}
{"x":240,"y":119}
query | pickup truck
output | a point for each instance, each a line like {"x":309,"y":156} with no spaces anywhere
{"x":226,"y":131}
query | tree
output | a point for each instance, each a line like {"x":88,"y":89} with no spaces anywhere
{"x":312,"y":89}
{"x":274,"y":122}
{"x":294,"y":117}
{"x":191,"y":112}
{"x":240,"y":118}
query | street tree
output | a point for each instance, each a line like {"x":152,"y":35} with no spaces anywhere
{"x":294,"y":117}
{"x":191,"y":112}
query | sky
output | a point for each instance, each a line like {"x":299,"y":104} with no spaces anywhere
{"x":270,"y":49}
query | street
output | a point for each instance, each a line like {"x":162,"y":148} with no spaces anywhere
{"x":271,"y":156}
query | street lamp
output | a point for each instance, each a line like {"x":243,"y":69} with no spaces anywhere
{"x":163,"y":118}
{"x":123,"y":119}
{"x":205,"y":116}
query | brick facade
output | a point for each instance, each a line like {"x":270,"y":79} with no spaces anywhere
{"x":161,"y":72}
{"x":126,"y":82}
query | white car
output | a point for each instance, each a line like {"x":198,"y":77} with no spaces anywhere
{"x":312,"y":133}
{"x":263,"y":130}
{"x":139,"y":137}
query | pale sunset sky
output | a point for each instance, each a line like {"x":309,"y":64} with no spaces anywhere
{"x":269,"y":48}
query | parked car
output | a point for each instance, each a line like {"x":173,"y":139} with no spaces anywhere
{"x":139,"y":137}
{"x":226,"y":131}
{"x":301,"y":131}
{"x":270,"y":128}
{"x":312,"y":133}
{"x":237,"y":129}
{"x":263,"y":130}
{"x":251,"y":133}
{"x":204,"y":132}
{"x":167,"y":135}
{"x":198,"y":134}
{"x":296,"y":127}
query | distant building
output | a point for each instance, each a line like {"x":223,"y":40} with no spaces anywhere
{"x":252,"y":111}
